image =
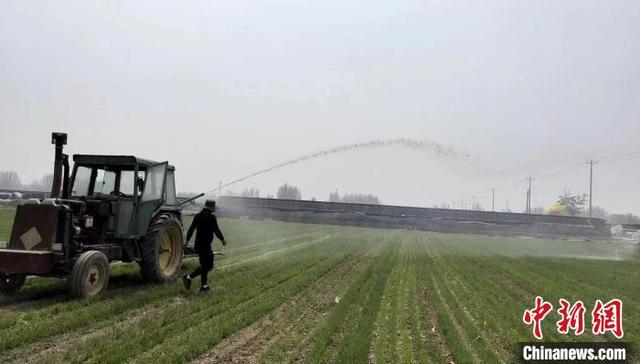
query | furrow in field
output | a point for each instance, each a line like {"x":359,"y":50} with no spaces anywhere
{"x":482,"y":332}
{"x":199,"y":335}
{"x":383,"y":346}
{"x":397,"y":327}
{"x":407,"y":322}
{"x":271,"y":337}
{"x":528,"y":299}
{"x":72,"y":315}
{"x":404,"y":347}
{"x":240,"y":253}
{"x":55,"y":350}
{"x":259,"y":245}
{"x":284,"y":250}
{"x":502,"y":296}
{"x":477,"y":295}
{"x":497,"y":293}
{"x":432,"y":343}
{"x":347,"y":333}
{"x":456,"y":288}
{"x":42,"y":292}
{"x":293,"y":346}
{"x":152,"y":331}
{"x":461,"y":334}
{"x":459,"y":341}
{"x":433,"y":334}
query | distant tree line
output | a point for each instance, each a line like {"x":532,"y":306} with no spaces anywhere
{"x":11,"y":180}
{"x":576,"y":205}
{"x":289,"y":192}
{"x":354,"y":198}
{"x":247,"y":192}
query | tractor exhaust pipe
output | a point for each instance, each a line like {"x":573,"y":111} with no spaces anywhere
{"x":60,"y":140}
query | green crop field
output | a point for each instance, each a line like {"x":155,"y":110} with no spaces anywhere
{"x":314,"y":293}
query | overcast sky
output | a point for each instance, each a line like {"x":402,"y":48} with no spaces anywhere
{"x":224,"y":88}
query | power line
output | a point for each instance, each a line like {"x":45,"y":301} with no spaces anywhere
{"x":559,"y":172}
{"x":512,"y":186}
{"x":628,"y":158}
{"x":615,"y":156}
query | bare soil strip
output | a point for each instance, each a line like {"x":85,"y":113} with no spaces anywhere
{"x":434,"y":327}
{"x":428,"y":331}
{"x":301,"y":312}
{"x":306,"y":347}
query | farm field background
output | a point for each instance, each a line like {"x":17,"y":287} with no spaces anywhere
{"x":315,"y":293}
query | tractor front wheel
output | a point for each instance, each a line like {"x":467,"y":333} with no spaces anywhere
{"x":90,"y":275}
{"x":10,"y":283}
{"x":162,"y":249}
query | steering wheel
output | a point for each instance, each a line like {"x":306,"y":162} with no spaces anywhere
{"x":118,"y":193}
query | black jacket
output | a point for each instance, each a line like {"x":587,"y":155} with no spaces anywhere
{"x":206,"y":224}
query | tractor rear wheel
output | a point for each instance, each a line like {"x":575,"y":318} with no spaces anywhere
{"x":10,"y":283}
{"x":90,"y":275}
{"x":162,"y":249}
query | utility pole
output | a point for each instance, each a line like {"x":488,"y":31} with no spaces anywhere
{"x":493,"y":199}
{"x":529,"y":196}
{"x":591,"y":163}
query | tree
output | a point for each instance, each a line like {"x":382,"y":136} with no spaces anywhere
{"x":599,"y":212}
{"x":617,"y":219}
{"x":250,"y":193}
{"x":538,"y":210}
{"x":42,"y":184}
{"x":361,"y":198}
{"x":573,"y":203}
{"x":354,"y":198}
{"x":288,"y":192}
{"x":10,"y":180}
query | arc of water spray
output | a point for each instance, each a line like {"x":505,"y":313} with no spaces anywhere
{"x":424,"y":145}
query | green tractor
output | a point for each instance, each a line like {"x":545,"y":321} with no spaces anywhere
{"x":108,"y":208}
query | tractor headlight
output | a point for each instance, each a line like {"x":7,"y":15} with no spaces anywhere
{"x":88,"y":221}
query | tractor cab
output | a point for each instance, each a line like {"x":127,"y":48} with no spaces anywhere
{"x":121,"y":193}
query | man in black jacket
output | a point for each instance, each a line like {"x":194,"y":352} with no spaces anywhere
{"x":206,"y":225}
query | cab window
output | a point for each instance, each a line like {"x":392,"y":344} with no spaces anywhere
{"x":81,"y":182}
{"x":154,"y":183}
{"x":105,"y":182}
{"x":127,"y":182}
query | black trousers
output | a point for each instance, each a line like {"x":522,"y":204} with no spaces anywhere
{"x":206,"y":265}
